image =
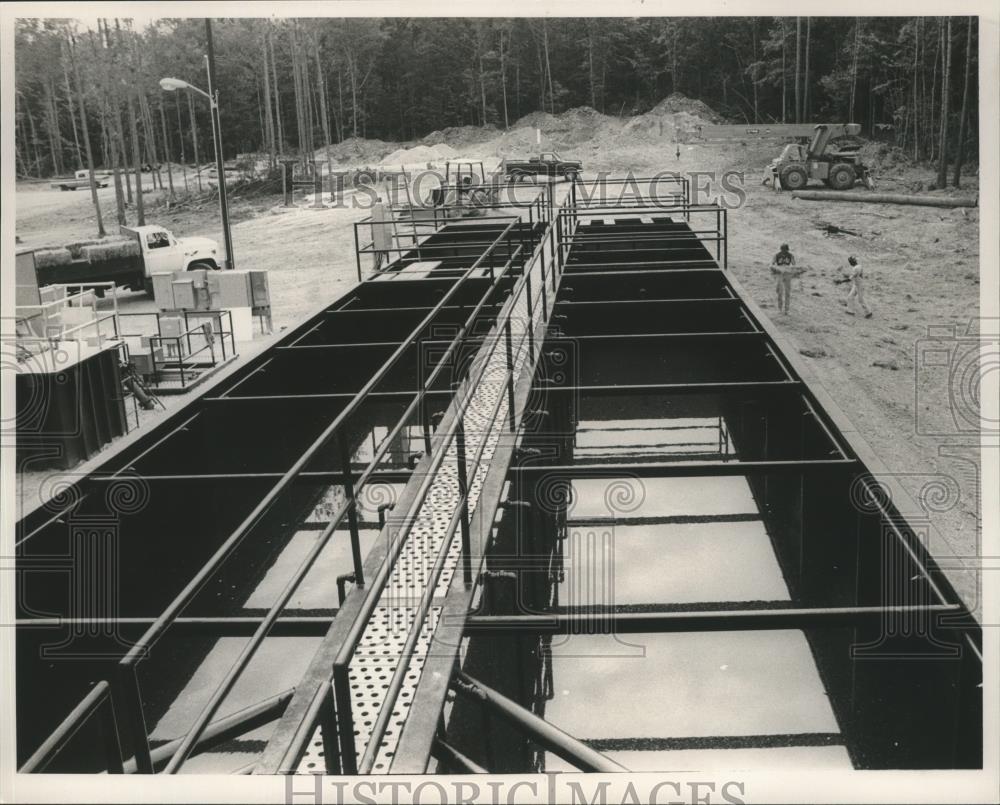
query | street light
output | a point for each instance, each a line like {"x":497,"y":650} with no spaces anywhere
{"x":174,"y":84}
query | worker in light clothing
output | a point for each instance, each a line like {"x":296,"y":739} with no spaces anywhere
{"x":782,"y":269}
{"x":856,"y":295}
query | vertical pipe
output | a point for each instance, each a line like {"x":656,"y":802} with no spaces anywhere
{"x":352,"y":511}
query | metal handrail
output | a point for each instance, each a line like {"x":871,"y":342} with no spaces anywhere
{"x":369,"y":248}
{"x":719,"y":235}
{"x":128,"y":680}
{"x":190,"y":740}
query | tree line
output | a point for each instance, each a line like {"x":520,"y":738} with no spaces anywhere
{"x":292,"y":86}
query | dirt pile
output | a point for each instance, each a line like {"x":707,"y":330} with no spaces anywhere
{"x":885,"y":158}
{"x":571,"y":127}
{"x":676,"y":118}
{"x":358,"y":150}
{"x":461,"y":136}
{"x":419,"y":154}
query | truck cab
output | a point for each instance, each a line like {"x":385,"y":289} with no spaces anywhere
{"x":161,"y":251}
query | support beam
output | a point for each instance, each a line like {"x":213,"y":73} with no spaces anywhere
{"x":681,"y":469}
{"x":702,"y":621}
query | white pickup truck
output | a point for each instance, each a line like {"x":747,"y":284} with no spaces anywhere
{"x":131,"y":261}
{"x":82,"y":179}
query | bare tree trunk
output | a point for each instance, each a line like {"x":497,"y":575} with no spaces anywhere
{"x":798,"y":69}
{"x":277,"y":95}
{"x":945,"y":86}
{"x":482,"y":85}
{"x":916,"y":108}
{"x":854,"y":67}
{"x":353,"y":74}
{"x":194,"y":140}
{"x":323,"y":110}
{"x":268,"y":107}
{"x":805,"y":78}
{"x":52,"y":130}
{"x":140,"y":210}
{"x":932,"y":103}
{"x":548,"y":66}
{"x":960,"y":155}
{"x":149,"y":130}
{"x":784,"y":72}
{"x":86,"y":139}
{"x":590,"y":62}
{"x":72,"y":111}
{"x":340,"y":104}
{"x":34,"y":140}
{"x":753,"y":78}
{"x":180,"y":138}
{"x":166,"y":150}
{"x":503,"y":82}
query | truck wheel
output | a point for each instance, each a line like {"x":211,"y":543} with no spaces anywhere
{"x":570,"y":176}
{"x":842,"y":177}
{"x":794,"y":178}
{"x":203,"y":265}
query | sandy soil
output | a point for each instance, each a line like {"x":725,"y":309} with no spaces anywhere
{"x":921,"y":264}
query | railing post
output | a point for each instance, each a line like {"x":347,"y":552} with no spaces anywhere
{"x":328,"y":726}
{"x":531,"y":318}
{"x":510,"y":374}
{"x":541,"y":284}
{"x":180,"y":362}
{"x":357,"y":251}
{"x":725,"y":238}
{"x":463,"y":491}
{"x":352,"y":511}
{"x":131,"y":698}
{"x":425,"y":421}
{"x":345,"y":719}
{"x":718,"y":232}
{"x":111,"y":736}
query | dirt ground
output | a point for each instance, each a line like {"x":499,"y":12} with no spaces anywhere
{"x":921,"y":264}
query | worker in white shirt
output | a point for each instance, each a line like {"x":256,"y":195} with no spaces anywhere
{"x":856,"y":295}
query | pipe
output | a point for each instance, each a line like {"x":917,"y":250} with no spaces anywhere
{"x":541,"y":731}
{"x":885,"y":198}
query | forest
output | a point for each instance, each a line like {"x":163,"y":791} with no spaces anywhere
{"x":290,"y":86}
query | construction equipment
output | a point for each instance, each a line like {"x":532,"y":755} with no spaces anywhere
{"x":832,"y":155}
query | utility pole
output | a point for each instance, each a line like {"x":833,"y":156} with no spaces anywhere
{"x":217,"y":134}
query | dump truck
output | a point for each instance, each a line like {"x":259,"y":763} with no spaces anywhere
{"x":129,"y":261}
{"x":833,"y":156}
{"x":548,"y":163}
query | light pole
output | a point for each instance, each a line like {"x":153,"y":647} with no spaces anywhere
{"x":173,"y":84}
